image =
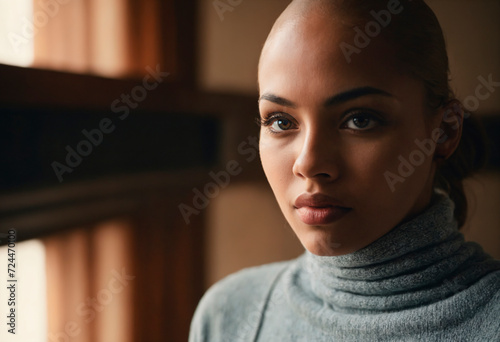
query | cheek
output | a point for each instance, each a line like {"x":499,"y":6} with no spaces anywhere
{"x":366,"y":162}
{"x":390,"y":172}
{"x":277,"y":162}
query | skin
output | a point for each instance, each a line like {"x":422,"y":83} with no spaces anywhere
{"x":343,"y":149}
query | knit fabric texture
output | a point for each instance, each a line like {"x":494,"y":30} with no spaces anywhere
{"x":419,"y":282}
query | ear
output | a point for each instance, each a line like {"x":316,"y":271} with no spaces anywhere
{"x":450,"y":129}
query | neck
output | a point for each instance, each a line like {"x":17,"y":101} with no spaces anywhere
{"x":420,"y":261}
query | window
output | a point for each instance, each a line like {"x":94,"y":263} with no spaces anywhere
{"x":16,"y":39}
{"x":29,"y":296}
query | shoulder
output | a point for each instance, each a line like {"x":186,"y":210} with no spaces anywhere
{"x":234,"y":303}
{"x":489,"y":322}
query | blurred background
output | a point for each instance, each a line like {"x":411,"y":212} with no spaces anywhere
{"x":129,"y":166}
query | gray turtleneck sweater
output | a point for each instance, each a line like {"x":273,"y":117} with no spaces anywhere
{"x":419,"y":282}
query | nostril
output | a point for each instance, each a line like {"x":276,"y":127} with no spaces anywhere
{"x":323,"y":175}
{"x":319,"y":176}
{"x":324,"y":172}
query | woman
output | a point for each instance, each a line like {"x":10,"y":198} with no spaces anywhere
{"x":365,"y":148}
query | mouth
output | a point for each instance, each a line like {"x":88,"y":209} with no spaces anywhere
{"x":319,"y":209}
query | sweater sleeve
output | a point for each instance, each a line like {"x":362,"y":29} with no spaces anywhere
{"x":231,"y":309}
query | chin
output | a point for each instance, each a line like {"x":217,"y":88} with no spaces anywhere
{"x":324,"y":251}
{"x":322,"y":245}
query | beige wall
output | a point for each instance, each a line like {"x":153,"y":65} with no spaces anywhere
{"x":483,"y":224}
{"x":230,"y":48}
{"x":246,"y":226}
{"x":472,"y":32}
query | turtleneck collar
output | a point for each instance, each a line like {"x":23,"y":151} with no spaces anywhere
{"x":418,"y":262}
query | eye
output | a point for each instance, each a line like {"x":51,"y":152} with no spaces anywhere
{"x":282,"y":124}
{"x":361,"y":122}
{"x":278,"y":123}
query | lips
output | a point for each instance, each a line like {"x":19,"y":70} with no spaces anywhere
{"x":319,"y":209}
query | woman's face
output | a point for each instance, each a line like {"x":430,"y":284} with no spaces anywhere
{"x":335,"y":134}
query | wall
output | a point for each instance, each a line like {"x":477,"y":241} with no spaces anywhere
{"x":246,"y":226}
{"x":472,"y":32}
{"x":230,"y":43}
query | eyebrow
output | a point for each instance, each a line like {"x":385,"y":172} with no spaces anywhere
{"x":331,"y":101}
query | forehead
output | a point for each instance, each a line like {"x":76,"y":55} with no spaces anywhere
{"x":319,"y":53}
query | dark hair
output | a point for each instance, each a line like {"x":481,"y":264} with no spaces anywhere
{"x":420,"y":45}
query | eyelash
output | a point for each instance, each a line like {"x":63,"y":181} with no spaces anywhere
{"x":269,"y":119}
{"x":364,"y":114}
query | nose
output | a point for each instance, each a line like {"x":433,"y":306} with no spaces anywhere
{"x":318,"y":156}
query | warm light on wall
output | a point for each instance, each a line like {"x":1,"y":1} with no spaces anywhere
{"x":114,"y":38}
{"x":16,"y":32}
{"x":30,"y":292}
{"x":90,"y":281}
